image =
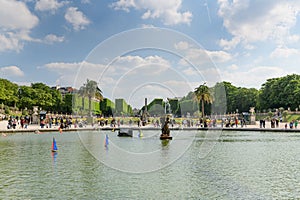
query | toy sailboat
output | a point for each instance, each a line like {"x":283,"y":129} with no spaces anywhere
{"x":54,"y":146}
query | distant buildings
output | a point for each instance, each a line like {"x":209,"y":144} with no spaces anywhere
{"x":64,"y":90}
{"x":119,"y":107}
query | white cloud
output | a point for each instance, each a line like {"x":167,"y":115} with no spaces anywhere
{"x":85,"y":1}
{"x":233,"y":67}
{"x":60,"y":67}
{"x":49,"y":5}
{"x":284,"y":52}
{"x":147,"y":26}
{"x":126,"y":76}
{"x":135,"y":61}
{"x":9,"y":20}
{"x":75,"y":73}
{"x":229,"y":44}
{"x":219,"y":56}
{"x":199,"y":56}
{"x":78,"y":20}
{"x":182,"y":45}
{"x":11,"y":71}
{"x":168,"y":11}
{"x":51,"y":38}
{"x":252,"y":21}
{"x":253,"y":77}
{"x":189,"y":71}
{"x":21,"y":83}
{"x":16,"y":22}
{"x":123,"y":5}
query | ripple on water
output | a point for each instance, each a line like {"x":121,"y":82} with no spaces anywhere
{"x":254,"y":165}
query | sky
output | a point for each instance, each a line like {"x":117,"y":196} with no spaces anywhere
{"x":138,"y":49}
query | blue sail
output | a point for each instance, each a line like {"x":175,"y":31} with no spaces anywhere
{"x":54,"y":146}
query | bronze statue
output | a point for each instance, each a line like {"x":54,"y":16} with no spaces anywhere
{"x":165,"y":129}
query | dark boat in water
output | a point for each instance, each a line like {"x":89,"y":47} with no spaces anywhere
{"x":125,"y":132}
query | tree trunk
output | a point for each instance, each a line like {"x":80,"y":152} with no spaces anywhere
{"x":90,"y":106}
{"x":202,"y":104}
{"x":82,"y":103}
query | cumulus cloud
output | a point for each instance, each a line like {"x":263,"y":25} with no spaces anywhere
{"x":253,"y":77}
{"x":11,"y":71}
{"x":49,"y":5}
{"x":75,"y":17}
{"x":199,"y":56}
{"x":147,"y":26}
{"x":125,"y":77}
{"x":62,"y":67}
{"x":229,"y":44}
{"x":168,"y":11}
{"x":284,"y":52}
{"x":85,"y":1}
{"x":15,"y":27}
{"x":251,"y":21}
{"x":182,"y":45}
{"x":136,"y":61}
{"x":74,"y":73}
{"x":219,"y":56}
{"x":233,"y":67}
{"x":51,"y":38}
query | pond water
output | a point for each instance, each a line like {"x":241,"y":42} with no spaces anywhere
{"x":194,"y":165}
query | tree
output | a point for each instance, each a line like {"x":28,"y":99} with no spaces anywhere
{"x":26,"y":100}
{"x":280,"y":92}
{"x":202,"y":94}
{"x":46,"y":97}
{"x":8,"y":92}
{"x":91,"y":90}
{"x":67,"y":103}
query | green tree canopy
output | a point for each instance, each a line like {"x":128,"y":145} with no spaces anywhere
{"x":280,"y":92}
{"x":8,"y":92}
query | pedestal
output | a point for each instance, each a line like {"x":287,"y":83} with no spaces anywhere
{"x":252,"y":120}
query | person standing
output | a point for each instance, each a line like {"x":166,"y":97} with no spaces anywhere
{"x":291,"y":124}
{"x":50,"y":122}
{"x":236,"y":122}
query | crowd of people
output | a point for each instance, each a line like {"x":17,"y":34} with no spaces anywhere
{"x":275,"y":123}
{"x":22,"y":122}
{"x":14,"y":122}
{"x":65,"y":122}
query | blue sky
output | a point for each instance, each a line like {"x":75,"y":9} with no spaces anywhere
{"x":139,"y":48}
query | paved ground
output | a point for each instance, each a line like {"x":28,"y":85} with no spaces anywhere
{"x":34,"y":127}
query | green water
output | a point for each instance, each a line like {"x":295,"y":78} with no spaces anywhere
{"x":240,"y":165}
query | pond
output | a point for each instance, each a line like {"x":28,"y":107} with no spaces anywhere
{"x":194,"y":165}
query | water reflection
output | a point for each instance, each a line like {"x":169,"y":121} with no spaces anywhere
{"x":165,"y":143}
{"x":134,"y":154}
{"x":237,"y":169}
{"x":54,"y":157}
